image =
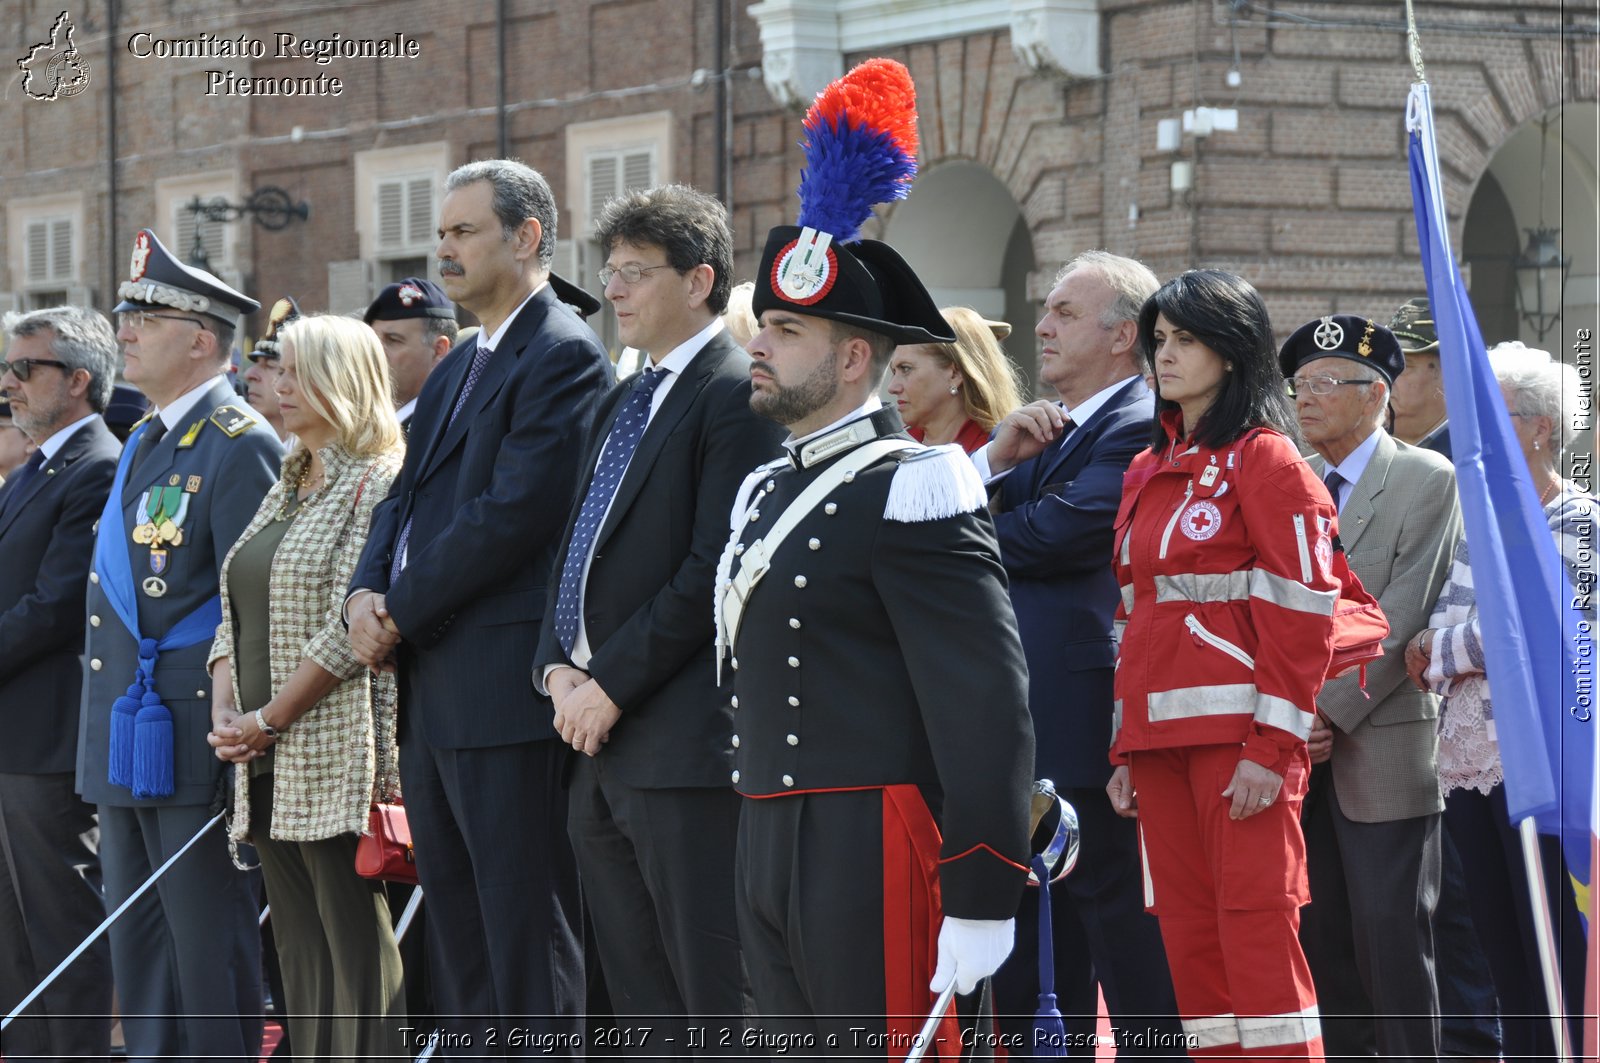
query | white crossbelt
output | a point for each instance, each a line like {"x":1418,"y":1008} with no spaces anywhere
{"x":734,"y":593}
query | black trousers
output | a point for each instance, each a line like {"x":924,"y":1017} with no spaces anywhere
{"x":657,"y":871}
{"x":506,"y":941}
{"x":816,"y":929}
{"x":1495,"y":874}
{"x":1469,"y":1008}
{"x":1368,"y":931}
{"x":1101,"y":936}
{"x":49,"y":902}
{"x":187,"y":955}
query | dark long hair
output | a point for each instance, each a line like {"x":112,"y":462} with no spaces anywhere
{"x":1225,"y":312}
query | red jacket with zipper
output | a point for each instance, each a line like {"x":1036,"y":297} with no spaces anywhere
{"x":1226,"y":621}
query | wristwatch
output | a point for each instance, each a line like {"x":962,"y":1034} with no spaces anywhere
{"x":266,"y":728}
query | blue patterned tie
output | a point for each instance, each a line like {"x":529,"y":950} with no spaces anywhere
{"x":480,"y":358}
{"x":626,"y":432}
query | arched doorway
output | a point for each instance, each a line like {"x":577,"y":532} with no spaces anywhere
{"x":1507,"y":203}
{"x":965,"y":236}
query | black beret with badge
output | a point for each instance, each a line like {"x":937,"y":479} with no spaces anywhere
{"x":1358,"y":339}
{"x":1412,"y":325}
{"x":284,"y":312}
{"x":158,"y":281}
{"x":860,"y":150}
{"x":409,"y":298}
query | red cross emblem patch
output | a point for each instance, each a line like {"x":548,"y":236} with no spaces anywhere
{"x":1201,"y":521}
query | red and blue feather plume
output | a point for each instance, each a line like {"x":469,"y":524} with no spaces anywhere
{"x":860,"y":148}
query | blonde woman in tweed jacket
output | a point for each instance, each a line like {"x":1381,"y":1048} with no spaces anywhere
{"x":310,"y":730}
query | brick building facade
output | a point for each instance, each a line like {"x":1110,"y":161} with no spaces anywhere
{"x":1042,"y":125}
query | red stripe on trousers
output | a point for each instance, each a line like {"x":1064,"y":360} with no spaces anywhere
{"x":911,"y":917}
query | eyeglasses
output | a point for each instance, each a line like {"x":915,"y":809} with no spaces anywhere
{"x":137,"y":319}
{"x":22,"y":368}
{"x":1320,"y":385}
{"x":630,"y":274}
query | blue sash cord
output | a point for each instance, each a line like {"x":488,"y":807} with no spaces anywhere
{"x":141,"y":753}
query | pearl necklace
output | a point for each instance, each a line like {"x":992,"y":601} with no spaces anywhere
{"x":1550,"y":492}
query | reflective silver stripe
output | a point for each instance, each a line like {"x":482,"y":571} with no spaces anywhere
{"x":1271,"y":587}
{"x":1203,"y":587}
{"x":1117,"y":628}
{"x":1116,"y":719}
{"x":1305,"y":552}
{"x":1290,"y":1028}
{"x":1127,"y":597}
{"x":1283,"y":714}
{"x":1127,"y":545}
{"x":1212,"y":1031}
{"x":1188,"y":703}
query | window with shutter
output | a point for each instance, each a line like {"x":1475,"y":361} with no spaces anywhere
{"x":48,"y":250}
{"x":213,"y":234}
{"x":613,"y":172}
{"x":405,"y":214}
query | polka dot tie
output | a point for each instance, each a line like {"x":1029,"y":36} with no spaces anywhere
{"x":480,"y":358}
{"x":626,"y":432}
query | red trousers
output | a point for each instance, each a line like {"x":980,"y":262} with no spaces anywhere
{"x":1228,"y":895}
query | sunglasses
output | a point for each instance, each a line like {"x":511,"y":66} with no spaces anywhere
{"x":22,"y":368}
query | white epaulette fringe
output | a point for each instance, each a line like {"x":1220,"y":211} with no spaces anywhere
{"x":934,"y":483}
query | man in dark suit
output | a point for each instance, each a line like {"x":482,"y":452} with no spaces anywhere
{"x":1062,"y":465}
{"x":624,"y":651}
{"x":187,"y":956}
{"x":416,"y":323}
{"x":451,"y":589}
{"x":57,"y":375}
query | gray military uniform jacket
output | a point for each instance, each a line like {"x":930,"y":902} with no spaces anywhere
{"x":222,"y":459}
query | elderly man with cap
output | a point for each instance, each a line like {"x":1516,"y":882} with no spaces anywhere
{"x":260,"y":377}
{"x":885,"y":759}
{"x":1371,"y":816}
{"x":187,"y":955}
{"x":57,"y":373}
{"x":1417,"y":401}
{"x":416,"y":323}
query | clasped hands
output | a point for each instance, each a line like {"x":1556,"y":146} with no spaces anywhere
{"x":373,"y":634}
{"x":235,"y":736}
{"x":584,"y":714}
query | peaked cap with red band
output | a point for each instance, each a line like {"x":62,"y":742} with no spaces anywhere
{"x":861,"y":150}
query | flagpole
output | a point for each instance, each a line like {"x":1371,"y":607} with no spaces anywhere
{"x":1544,"y":934}
{"x":1533,"y":863}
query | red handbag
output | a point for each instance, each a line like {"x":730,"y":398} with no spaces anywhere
{"x":384,"y":849}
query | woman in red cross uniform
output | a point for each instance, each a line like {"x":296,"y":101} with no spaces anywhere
{"x":1224,"y":544}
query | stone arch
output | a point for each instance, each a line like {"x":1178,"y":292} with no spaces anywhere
{"x":1507,"y":202}
{"x":967,"y":238}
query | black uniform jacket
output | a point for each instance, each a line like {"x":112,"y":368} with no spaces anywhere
{"x":879,"y":651}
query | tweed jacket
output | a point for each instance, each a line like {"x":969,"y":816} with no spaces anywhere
{"x":1399,"y":527}
{"x":341,"y":755}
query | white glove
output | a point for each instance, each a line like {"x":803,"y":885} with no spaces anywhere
{"x":970,"y":950}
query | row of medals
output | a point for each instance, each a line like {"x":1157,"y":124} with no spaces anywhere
{"x":157,"y":534}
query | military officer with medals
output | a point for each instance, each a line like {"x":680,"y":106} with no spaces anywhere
{"x":885,"y":757}
{"x":186,"y":956}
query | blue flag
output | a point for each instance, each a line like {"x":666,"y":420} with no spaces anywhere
{"x":1538,"y":649}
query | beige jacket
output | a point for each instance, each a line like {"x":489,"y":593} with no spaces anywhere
{"x":341,"y":755}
